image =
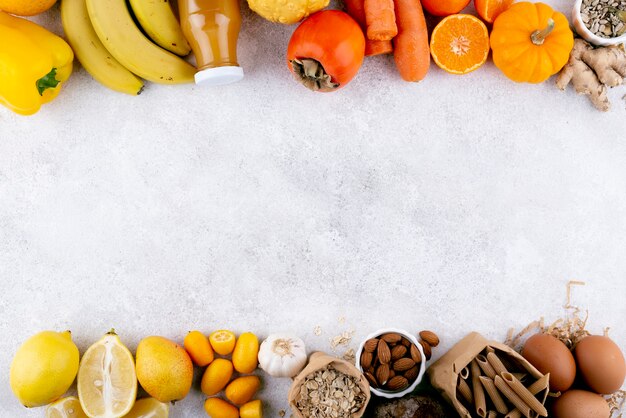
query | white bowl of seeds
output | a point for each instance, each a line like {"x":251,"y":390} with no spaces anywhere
{"x":600,"y":22}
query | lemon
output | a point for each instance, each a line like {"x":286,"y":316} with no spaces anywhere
{"x":44,"y":368}
{"x":148,"y":408}
{"x":26,"y":8}
{"x":107,"y":382}
{"x":286,"y":12}
{"x":164,"y":369}
{"x":65,"y":408}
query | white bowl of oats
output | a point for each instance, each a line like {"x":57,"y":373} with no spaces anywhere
{"x":600,"y":22}
{"x":392,"y":361}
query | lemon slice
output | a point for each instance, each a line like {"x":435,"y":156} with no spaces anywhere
{"x":107,"y":381}
{"x":65,"y":408}
{"x":149,"y":408}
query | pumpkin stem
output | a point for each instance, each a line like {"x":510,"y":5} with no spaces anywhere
{"x":539,"y":36}
{"x":311,"y":73}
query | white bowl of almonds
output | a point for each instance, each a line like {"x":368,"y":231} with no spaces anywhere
{"x":393,"y":362}
{"x":600,"y":22}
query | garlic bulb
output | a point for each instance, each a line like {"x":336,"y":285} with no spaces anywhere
{"x":282,"y":355}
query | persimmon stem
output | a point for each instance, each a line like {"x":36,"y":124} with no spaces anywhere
{"x":311,"y":73}
{"x":539,"y":36}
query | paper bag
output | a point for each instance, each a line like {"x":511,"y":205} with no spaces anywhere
{"x":319,"y":361}
{"x":444,"y":372}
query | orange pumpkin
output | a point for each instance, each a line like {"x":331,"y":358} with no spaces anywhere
{"x":531,"y":42}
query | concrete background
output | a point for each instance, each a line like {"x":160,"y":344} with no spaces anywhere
{"x":456,"y":204}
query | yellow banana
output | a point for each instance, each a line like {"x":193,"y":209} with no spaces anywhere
{"x":157,"y":19}
{"x":93,"y":56}
{"x":116,"y":29}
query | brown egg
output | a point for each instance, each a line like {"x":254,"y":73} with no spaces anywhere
{"x":601,"y":364}
{"x":580,"y":404}
{"x":549,"y":355}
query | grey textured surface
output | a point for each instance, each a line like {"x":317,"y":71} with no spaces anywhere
{"x":457,"y":204}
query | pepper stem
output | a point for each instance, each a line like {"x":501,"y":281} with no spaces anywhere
{"x":48,"y":81}
{"x":311,"y":73}
{"x":539,"y":36}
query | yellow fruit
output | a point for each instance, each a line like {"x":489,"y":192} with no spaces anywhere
{"x":286,"y":12}
{"x":65,"y":408}
{"x":107,"y":382}
{"x":44,"y":368}
{"x":26,"y":8}
{"x":164,"y":369}
{"x":149,"y":408}
{"x":198,"y":348}
{"x":245,"y":356}
{"x":216,"y":376}
{"x":253,"y":409}
{"x":222,"y":342}
{"x":217,"y":408}
{"x":242,"y":389}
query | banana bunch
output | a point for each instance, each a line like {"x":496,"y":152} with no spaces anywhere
{"x":114,"y":50}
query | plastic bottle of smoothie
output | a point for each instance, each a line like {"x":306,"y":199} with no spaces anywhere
{"x":212,"y":28}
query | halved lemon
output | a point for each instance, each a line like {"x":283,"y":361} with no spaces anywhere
{"x":149,"y":408}
{"x":65,"y":408}
{"x":223,"y":342}
{"x":107,"y":381}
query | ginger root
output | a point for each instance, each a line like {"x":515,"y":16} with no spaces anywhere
{"x":591,"y":70}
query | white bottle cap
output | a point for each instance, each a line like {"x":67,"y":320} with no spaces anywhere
{"x":219,"y":76}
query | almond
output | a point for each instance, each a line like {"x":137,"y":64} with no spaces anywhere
{"x":427,"y":351}
{"x":412,"y":373}
{"x":403,"y":364}
{"x":430,"y":337}
{"x":384,"y":354}
{"x":405,"y":342}
{"x":392,"y":373}
{"x":366,"y":359}
{"x":397,"y":383}
{"x":415,"y":354}
{"x":392,"y":337}
{"x":371,"y":379}
{"x":398,"y":352}
{"x":370,"y":345}
{"x":382,"y":374}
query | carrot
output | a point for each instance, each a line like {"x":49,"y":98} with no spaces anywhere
{"x":380,"y":19}
{"x":356,"y":9}
{"x":411,"y":48}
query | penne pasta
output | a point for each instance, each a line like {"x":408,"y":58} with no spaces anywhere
{"x":479,"y":393}
{"x":494,"y":395}
{"x":541,"y":384}
{"x":489,"y":349}
{"x":520,"y":376}
{"x":464,"y":373}
{"x":524,"y":394}
{"x":465,"y":391}
{"x":512,"y":397}
{"x":495,"y":362}
{"x":532,"y":371}
{"x":485,"y":366}
{"x":514,"y":413}
{"x":492,"y":414}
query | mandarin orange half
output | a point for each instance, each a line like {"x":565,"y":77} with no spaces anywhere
{"x":460,"y":44}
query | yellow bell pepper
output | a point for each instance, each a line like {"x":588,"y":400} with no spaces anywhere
{"x":33,"y":64}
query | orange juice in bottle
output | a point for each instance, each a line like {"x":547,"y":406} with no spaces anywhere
{"x":212,"y":28}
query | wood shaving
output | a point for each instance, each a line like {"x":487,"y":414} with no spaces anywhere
{"x":570,"y":330}
{"x":617,"y":402}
